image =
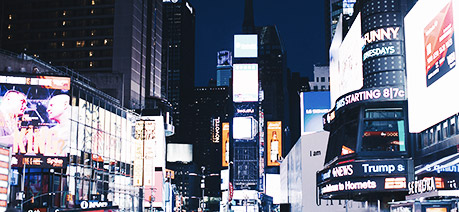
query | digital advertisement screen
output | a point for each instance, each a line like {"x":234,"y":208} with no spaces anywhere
{"x":225,"y":144}
{"x":243,"y":128}
{"x":431,"y":62}
{"x":179,"y":152}
{"x":246,"y":46}
{"x":35,"y":115}
{"x":274,"y":140}
{"x":314,"y":105}
{"x":334,"y":59}
{"x":224,"y":58}
{"x":348,"y":76}
{"x":245,"y":82}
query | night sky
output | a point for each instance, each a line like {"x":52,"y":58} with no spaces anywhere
{"x":301,"y":27}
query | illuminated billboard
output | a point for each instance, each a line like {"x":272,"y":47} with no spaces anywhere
{"x":179,"y":152}
{"x":313,"y":106}
{"x":225,"y":144}
{"x":346,"y":74}
{"x":274,"y":140}
{"x":431,"y":62}
{"x":224,"y":58}
{"x":245,"y":82}
{"x":245,"y":46}
{"x":244,"y":128}
{"x":35,"y":115}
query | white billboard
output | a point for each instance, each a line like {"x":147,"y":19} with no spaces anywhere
{"x":245,"y":82}
{"x":431,"y":62}
{"x":179,"y":152}
{"x":244,"y":128}
{"x":245,"y":46}
{"x":346,"y":71}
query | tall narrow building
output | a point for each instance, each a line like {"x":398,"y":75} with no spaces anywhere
{"x":116,"y":44}
{"x":178,"y":59}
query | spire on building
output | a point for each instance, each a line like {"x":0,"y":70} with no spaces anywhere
{"x":248,"y":26}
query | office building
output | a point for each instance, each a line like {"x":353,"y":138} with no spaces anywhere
{"x":321,"y":79}
{"x":179,"y":66}
{"x":116,"y":44}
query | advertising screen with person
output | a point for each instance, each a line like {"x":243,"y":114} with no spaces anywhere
{"x":35,"y":115}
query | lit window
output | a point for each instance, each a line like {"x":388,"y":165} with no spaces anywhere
{"x":9,"y":37}
{"x":90,"y":64}
{"x":64,"y":12}
{"x":62,"y":44}
{"x":92,"y":43}
{"x":64,"y":34}
{"x":9,"y":26}
{"x":80,"y":44}
{"x":93,"y":32}
{"x":10,"y":17}
{"x":63,"y":23}
{"x":105,"y":41}
{"x":91,"y":53}
{"x":93,"y":2}
{"x":92,"y":11}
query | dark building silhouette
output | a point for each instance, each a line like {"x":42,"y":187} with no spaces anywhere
{"x":116,"y":44}
{"x":210,"y":109}
{"x":178,"y":59}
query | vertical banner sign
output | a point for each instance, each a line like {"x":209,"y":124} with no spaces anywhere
{"x":138,"y":157}
{"x":261,"y":121}
{"x":440,"y":53}
{"x":225,"y":144}
{"x":149,"y":151}
{"x":274,"y":140}
{"x":216,"y":130}
{"x":4,"y":177}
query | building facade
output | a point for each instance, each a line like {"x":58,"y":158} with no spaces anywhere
{"x":369,"y":122}
{"x":224,"y":67}
{"x":89,"y":158}
{"x":111,"y":42}
{"x":179,"y":66}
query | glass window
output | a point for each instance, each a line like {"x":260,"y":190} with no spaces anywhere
{"x":322,"y":79}
{"x":383,"y":130}
{"x":452,"y":126}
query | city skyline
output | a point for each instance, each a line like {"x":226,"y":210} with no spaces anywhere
{"x":217,"y":22}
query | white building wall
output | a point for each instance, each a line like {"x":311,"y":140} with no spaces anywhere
{"x":298,"y":176}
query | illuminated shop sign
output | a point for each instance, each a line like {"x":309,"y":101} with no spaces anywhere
{"x":361,"y":169}
{"x":225,"y":144}
{"x":382,"y":34}
{"x":93,"y":204}
{"x":421,"y":186}
{"x":216,"y":130}
{"x":372,"y":184}
{"x":40,"y":161}
{"x":371,"y":94}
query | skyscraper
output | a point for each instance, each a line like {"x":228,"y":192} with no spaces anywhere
{"x":178,"y":59}
{"x":117,"y":44}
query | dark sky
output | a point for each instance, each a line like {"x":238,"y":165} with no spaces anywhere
{"x":300,"y":24}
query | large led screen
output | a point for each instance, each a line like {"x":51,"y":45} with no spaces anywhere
{"x":179,"y":152}
{"x":246,"y":46}
{"x":245,"y":82}
{"x":432,"y":73}
{"x":244,"y":128}
{"x":334,"y":60}
{"x":313,"y":106}
{"x":274,"y":140}
{"x":35,"y":115}
{"x":347,"y":76}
